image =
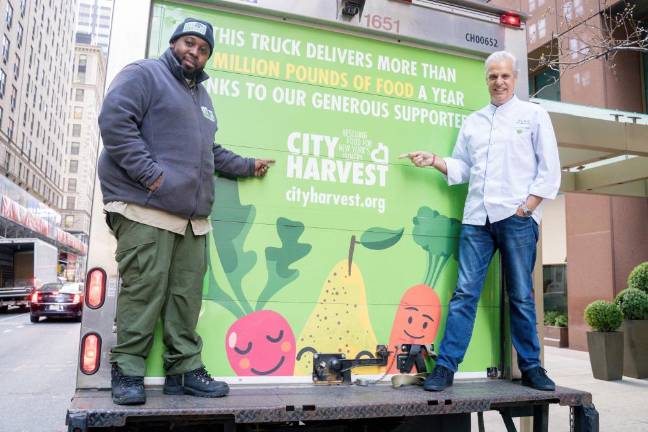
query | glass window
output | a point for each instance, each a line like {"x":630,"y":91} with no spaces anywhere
{"x":6,"y":46}
{"x":76,"y":130}
{"x":74,"y":148}
{"x":573,"y":48}
{"x":542,"y":28}
{"x":19,"y":35}
{"x":8,"y":15}
{"x":568,"y":10}
{"x":555,"y":287}
{"x":17,"y":66}
{"x":72,"y":185}
{"x":74,"y":166}
{"x":69,"y":221}
{"x":70,"y":203}
{"x":23,"y":6}
{"x":78,"y":113}
{"x":81,"y":67}
{"x":3,"y":83}
{"x":10,"y":128}
{"x":14,"y":95}
{"x":79,"y":95}
{"x":532,"y":33}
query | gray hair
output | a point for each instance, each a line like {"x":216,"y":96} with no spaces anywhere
{"x":499,"y":56}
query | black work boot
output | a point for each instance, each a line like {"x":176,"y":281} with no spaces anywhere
{"x":537,"y":378}
{"x":198,"y":382}
{"x":126,"y":390}
{"x":440,"y":379}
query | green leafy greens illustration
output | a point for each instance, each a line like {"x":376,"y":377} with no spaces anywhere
{"x":436,"y":234}
{"x":231,"y":222}
{"x":278,"y":260}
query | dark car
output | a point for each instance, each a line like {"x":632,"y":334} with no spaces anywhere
{"x":57,"y":300}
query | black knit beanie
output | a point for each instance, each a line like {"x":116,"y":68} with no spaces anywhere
{"x":195,"y":27}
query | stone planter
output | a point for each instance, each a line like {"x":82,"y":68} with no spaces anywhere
{"x":556,"y":336}
{"x":606,"y":354}
{"x":635,"y":348}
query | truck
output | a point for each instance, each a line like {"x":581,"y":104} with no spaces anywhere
{"x":25,"y":264}
{"x":344,"y":254}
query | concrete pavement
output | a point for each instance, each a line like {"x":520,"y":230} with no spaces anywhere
{"x":622,"y":405}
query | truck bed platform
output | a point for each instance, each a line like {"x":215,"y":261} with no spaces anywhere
{"x":307,"y":404}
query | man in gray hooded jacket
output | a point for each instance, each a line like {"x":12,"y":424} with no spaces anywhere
{"x":156,"y":172}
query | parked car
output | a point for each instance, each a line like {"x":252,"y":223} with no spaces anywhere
{"x":57,"y":300}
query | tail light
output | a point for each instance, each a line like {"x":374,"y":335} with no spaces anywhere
{"x":77,"y":298}
{"x":34,"y":297}
{"x":510,"y":19}
{"x":95,"y":288}
{"x":90,"y":353}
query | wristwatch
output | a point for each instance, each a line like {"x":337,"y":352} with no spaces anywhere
{"x":526,"y":210}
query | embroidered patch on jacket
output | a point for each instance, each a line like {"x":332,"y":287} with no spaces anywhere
{"x":521,"y":126}
{"x":209,"y":115}
{"x":195,"y":27}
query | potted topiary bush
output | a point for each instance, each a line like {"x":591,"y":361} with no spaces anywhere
{"x":634,"y":307}
{"x":638,"y":277}
{"x":555,"y":329}
{"x":605,"y":344}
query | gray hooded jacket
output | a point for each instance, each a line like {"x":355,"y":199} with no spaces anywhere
{"x":152,"y":123}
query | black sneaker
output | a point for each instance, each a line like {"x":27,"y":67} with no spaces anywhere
{"x":126,"y":390}
{"x":440,"y":379}
{"x":196,"y":383}
{"x":537,"y":378}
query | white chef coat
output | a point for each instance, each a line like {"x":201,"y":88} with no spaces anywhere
{"x":505,"y":154}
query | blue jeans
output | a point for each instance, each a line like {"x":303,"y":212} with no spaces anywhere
{"x":516,"y":239}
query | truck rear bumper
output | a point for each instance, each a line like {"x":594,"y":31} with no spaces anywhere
{"x":334,"y":405}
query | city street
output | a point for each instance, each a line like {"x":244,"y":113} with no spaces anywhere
{"x":37,"y":372}
{"x":267,"y":190}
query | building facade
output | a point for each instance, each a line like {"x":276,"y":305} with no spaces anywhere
{"x":591,"y":241}
{"x":94,"y":19}
{"x":86,"y":97}
{"x":35,"y":78}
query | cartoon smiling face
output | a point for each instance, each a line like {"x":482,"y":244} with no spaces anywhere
{"x":261,"y":344}
{"x":417,"y":329}
{"x":417,"y":317}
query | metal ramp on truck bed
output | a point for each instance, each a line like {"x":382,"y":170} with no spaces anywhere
{"x":332,"y":408}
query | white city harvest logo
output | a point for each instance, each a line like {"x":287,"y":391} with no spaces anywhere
{"x":195,"y":27}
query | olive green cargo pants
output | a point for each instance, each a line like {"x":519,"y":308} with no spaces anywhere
{"x":162,"y":275}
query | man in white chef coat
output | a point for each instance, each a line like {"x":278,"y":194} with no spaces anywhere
{"x":507,"y":153}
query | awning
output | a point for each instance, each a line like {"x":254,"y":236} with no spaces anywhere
{"x":17,"y":221}
{"x":601,"y":151}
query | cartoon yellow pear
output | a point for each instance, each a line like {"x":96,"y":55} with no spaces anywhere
{"x":340,"y":321}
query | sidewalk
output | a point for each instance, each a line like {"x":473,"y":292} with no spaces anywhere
{"x":622,"y":405}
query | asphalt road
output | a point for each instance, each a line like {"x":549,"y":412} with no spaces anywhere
{"x":37,"y":372}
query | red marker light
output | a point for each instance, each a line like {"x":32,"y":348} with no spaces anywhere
{"x":77,"y":298}
{"x":34,"y":298}
{"x":511,"y":19}
{"x":90,"y":352}
{"x":95,"y":288}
